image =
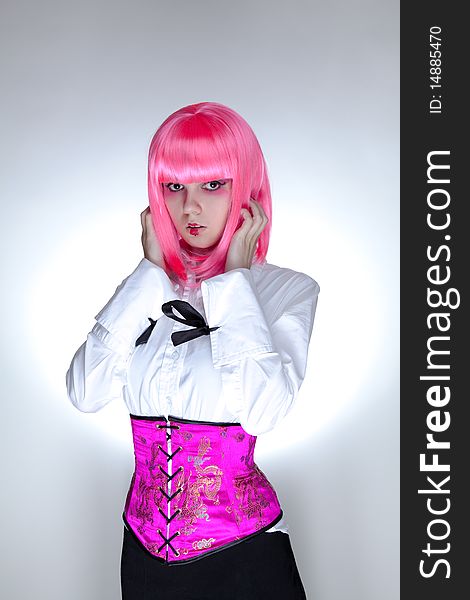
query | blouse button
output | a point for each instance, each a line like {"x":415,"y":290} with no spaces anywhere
{"x":175,"y":354}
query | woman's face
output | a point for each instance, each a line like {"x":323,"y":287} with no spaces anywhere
{"x":199,"y":211}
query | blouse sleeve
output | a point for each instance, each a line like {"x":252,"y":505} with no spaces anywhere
{"x":261,"y":345}
{"x":98,"y":370}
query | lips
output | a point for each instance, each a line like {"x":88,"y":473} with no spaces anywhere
{"x":194,"y":228}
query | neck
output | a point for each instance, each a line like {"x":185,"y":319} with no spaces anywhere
{"x":195,"y":254}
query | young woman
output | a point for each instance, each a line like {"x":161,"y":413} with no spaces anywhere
{"x":207,"y":344}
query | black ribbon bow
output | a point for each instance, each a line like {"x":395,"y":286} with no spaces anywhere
{"x":191,"y":317}
{"x":143,"y":338}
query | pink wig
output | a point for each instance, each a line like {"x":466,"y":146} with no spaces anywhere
{"x":200,"y":143}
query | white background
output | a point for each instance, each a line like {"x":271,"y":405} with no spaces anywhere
{"x":85,"y":85}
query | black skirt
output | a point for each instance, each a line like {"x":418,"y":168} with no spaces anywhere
{"x":255,"y":569}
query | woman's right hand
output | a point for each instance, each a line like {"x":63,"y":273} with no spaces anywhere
{"x":150,"y":244}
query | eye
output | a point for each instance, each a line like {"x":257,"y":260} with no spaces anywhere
{"x":218,"y":185}
{"x":169,"y":187}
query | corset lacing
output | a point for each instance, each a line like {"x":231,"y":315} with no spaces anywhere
{"x":169,"y":497}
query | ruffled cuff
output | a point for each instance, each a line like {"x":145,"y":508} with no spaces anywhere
{"x":137,"y":298}
{"x":231,"y":302}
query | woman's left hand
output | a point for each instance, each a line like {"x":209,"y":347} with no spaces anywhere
{"x":243,"y":245}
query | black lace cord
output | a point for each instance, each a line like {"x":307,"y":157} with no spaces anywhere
{"x":167,"y":542}
{"x":168,"y":434}
{"x":191,"y":317}
{"x":170,"y":456}
{"x":167,"y":475}
{"x":169,"y":519}
{"x":169,"y":498}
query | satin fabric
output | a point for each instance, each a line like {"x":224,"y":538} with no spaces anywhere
{"x":196,"y":488}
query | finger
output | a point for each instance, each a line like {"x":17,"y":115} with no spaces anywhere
{"x":247,"y":217}
{"x":143,"y":215}
{"x":259,"y":206}
{"x":258,"y":209}
{"x":253,"y":224}
{"x":149,"y":223}
{"x":259,"y":220}
{"x":245,"y":227}
{"x":263,"y":221}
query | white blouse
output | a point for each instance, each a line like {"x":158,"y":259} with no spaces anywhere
{"x":247,"y":371}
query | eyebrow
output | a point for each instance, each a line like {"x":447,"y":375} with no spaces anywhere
{"x":205,"y":181}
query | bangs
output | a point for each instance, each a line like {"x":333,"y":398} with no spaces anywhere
{"x":191,"y":152}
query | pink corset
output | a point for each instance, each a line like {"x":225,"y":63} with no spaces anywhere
{"x":196,"y":488}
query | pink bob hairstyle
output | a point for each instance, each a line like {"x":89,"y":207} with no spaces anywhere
{"x":200,"y":143}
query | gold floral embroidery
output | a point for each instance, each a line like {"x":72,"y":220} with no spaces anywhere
{"x":249,"y":458}
{"x":205,"y":486}
{"x":149,"y":491}
{"x":201,"y":544}
{"x":148,"y":494}
{"x":251,"y":501}
{"x":153,"y":548}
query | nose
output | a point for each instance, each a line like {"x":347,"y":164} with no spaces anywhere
{"x":192,"y":201}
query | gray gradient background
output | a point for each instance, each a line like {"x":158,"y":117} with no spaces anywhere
{"x":84,"y":87}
